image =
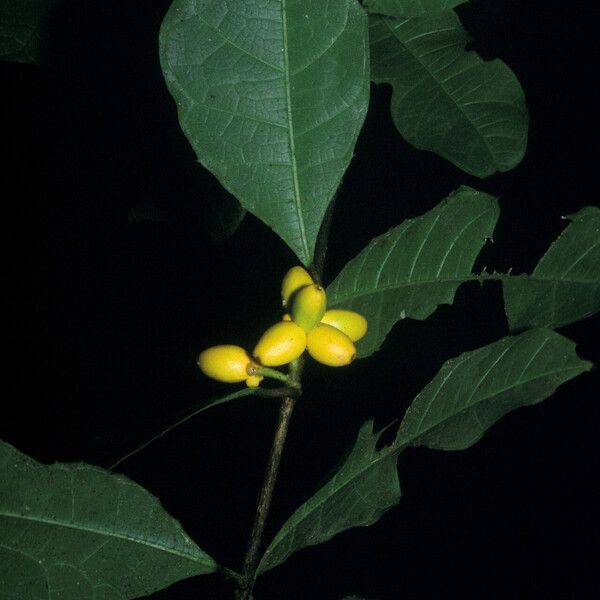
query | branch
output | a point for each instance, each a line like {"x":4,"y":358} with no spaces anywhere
{"x":264,"y":500}
{"x":251,"y":559}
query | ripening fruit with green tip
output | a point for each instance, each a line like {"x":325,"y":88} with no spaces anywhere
{"x":308,"y":306}
{"x":353,"y":324}
{"x":227,"y":363}
{"x":330,"y":346}
{"x":280,"y":344}
{"x":293,"y":280}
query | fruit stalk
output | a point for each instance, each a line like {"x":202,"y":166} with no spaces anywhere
{"x":270,"y":373}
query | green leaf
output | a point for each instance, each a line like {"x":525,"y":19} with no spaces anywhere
{"x":411,"y":269}
{"x":74,"y":531}
{"x":271,"y":96}
{"x":448,"y":100}
{"x":23,"y":29}
{"x":420,"y":264}
{"x":410,"y":8}
{"x":473,"y":391}
{"x":365,"y":486}
{"x":465,"y":398}
{"x":565,"y":285}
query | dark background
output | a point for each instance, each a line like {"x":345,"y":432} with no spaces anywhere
{"x":106,"y":317}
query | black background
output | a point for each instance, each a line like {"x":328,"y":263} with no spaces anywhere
{"x":105,"y":319}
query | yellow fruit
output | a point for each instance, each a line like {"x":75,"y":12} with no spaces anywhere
{"x":293,"y":280}
{"x":330,"y":346}
{"x":286,"y":317}
{"x":349,"y":322}
{"x":280,"y":344}
{"x":308,"y":306}
{"x":226,"y":363}
{"x":253,"y":381}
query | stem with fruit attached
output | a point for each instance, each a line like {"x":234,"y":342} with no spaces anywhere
{"x":246,"y":582}
{"x":268,"y":487}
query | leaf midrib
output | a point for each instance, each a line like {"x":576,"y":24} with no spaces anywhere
{"x":108,"y":534}
{"x":294,"y":165}
{"x":481,"y":278}
{"x":381,"y":454}
{"x":408,"y":441}
{"x":399,"y":444}
{"x":442,"y":87}
{"x":579,"y":258}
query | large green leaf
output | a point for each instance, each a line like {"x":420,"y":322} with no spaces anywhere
{"x":452,"y":412}
{"x":271,"y":96}
{"x":23,"y":29}
{"x":77,"y":532}
{"x":365,"y":486}
{"x":471,"y":392}
{"x":446,"y":99}
{"x":410,"y":8}
{"x":410,"y":270}
{"x":565,"y":285}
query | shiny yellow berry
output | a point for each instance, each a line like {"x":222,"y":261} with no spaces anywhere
{"x":253,"y":381}
{"x":226,"y":363}
{"x":293,"y":280}
{"x":286,"y":317}
{"x":330,"y":346}
{"x":308,"y":306}
{"x":280,"y":344}
{"x":351,"y":323}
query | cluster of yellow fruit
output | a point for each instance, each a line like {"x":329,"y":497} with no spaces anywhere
{"x":327,"y":335}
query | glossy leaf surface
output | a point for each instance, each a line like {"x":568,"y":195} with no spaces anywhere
{"x":271,"y":96}
{"x":565,"y":285}
{"x":78,"y":532}
{"x":410,"y":8}
{"x":413,"y":268}
{"x":448,"y":100}
{"x":468,"y":395}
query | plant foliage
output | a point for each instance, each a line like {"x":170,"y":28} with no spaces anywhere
{"x":468,"y":395}
{"x":448,"y":100}
{"x":410,"y":8}
{"x":77,"y":532}
{"x":272,"y":97}
{"x":565,"y":285}
{"x":413,"y":268}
